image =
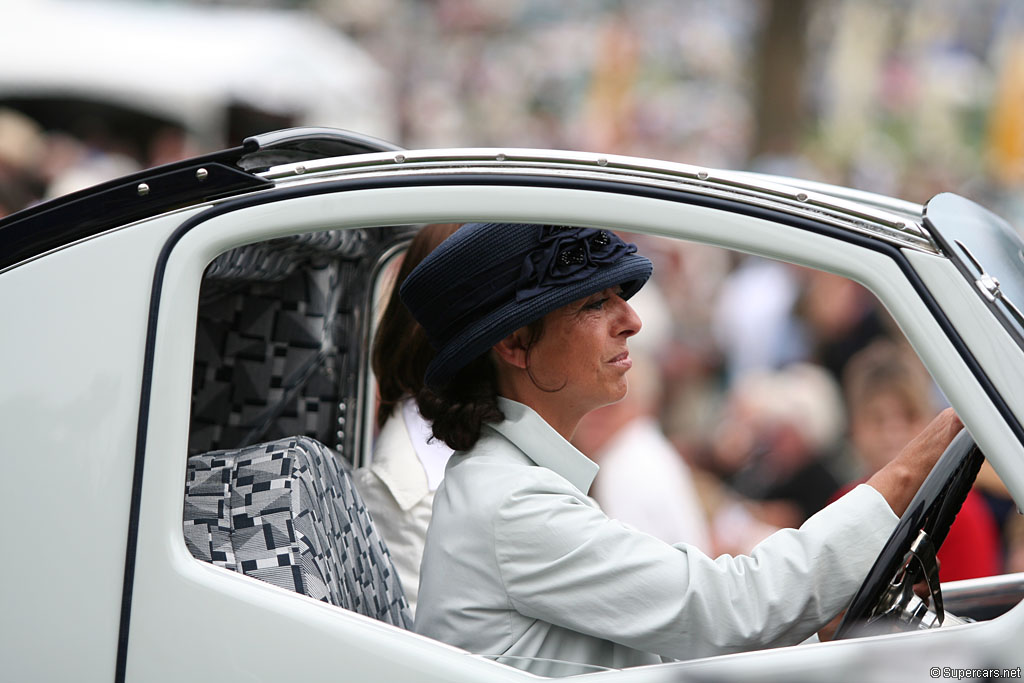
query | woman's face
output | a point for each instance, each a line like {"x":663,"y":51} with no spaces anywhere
{"x":582,"y":351}
{"x":881,"y":426}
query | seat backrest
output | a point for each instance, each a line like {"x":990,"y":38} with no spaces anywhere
{"x":281,"y":340}
{"x":287,"y":512}
{"x":265,"y":350}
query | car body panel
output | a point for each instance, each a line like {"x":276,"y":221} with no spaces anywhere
{"x":111,"y":422}
{"x":73,"y":345}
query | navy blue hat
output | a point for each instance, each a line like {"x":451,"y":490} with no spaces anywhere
{"x":489,"y":279}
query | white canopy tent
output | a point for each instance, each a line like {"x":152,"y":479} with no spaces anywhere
{"x":188,"y":64}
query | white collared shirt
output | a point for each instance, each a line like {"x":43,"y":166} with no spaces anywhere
{"x":398,"y":489}
{"x":432,"y":453}
{"x":520,"y":562}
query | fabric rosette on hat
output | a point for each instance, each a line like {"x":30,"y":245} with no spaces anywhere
{"x":566,"y":255}
{"x":489,"y":279}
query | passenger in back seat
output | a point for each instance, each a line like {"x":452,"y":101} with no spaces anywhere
{"x":407,"y":465}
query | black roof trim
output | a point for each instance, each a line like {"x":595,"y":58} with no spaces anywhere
{"x":302,"y":144}
{"x":88,"y":212}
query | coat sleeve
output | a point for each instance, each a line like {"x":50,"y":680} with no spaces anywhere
{"x":564,"y":561}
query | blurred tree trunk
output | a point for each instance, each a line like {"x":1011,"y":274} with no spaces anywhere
{"x":778,"y":69}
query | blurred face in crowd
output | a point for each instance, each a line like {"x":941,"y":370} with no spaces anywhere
{"x":881,"y":425}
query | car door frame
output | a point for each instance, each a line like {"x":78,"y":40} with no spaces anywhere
{"x":168,"y":592}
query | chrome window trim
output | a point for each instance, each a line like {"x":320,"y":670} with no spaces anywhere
{"x":911,"y":211}
{"x":900,"y":228}
{"x":1001,"y":592}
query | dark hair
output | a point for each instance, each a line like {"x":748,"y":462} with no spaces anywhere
{"x":459,"y":410}
{"x":401,"y":351}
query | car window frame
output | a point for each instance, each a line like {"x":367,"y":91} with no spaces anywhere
{"x":439,"y":185}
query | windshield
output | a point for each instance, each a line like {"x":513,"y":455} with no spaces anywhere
{"x":987,"y":250}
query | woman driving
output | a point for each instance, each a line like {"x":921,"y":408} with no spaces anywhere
{"x":531,"y":326}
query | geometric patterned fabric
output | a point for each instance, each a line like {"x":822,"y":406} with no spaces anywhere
{"x":280,"y":339}
{"x":269,"y":336}
{"x":265,"y":357}
{"x":275,"y":259}
{"x":287,"y":512}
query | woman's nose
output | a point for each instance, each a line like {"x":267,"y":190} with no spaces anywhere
{"x":629,"y":322}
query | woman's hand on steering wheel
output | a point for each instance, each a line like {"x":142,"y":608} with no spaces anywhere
{"x":888,"y":597}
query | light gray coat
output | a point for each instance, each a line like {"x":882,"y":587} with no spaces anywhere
{"x":520,"y":562}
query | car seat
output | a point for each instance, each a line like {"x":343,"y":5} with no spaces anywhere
{"x":281,"y":339}
{"x":280,"y":343}
{"x":287,"y":512}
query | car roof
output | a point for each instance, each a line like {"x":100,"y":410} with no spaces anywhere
{"x":91,"y":211}
{"x":894,"y":221}
{"x":301,"y":155}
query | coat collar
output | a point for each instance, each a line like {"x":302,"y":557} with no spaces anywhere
{"x":543,"y":445}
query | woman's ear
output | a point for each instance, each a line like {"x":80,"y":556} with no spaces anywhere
{"x":512,"y":349}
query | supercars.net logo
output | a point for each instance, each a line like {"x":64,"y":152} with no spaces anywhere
{"x":974,"y":674}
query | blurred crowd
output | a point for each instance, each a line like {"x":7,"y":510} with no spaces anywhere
{"x":760,"y":390}
{"x":764,"y":391}
{"x":38,"y":164}
{"x":904,"y":98}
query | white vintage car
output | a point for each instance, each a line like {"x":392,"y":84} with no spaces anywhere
{"x":203,"y":327}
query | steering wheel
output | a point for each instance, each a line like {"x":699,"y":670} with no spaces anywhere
{"x":886,"y":601}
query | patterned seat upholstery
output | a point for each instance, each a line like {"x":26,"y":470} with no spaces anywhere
{"x":287,"y":512}
{"x":267,"y":349}
{"x":280,"y":340}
